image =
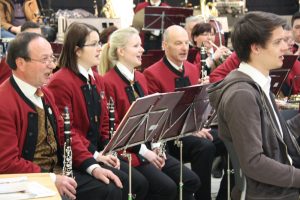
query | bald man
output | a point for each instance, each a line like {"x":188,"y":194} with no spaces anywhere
{"x":198,"y":149}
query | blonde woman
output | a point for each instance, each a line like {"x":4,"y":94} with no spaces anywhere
{"x":124,"y":84}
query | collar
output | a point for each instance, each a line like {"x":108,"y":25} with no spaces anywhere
{"x":84,"y":72}
{"x":178,"y":68}
{"x":263,"y":81}
{"x":155,"y":4}
{"x":125,"y":71}
{"x":27,"y":89}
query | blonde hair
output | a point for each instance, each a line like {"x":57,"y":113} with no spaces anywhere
{"x":109,"y":54}
{"x":105,"y":64}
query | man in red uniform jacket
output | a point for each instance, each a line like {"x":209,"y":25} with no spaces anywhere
{"x":143,"y":5}
{"x":31,"y":127}
{"x":171,"y":72}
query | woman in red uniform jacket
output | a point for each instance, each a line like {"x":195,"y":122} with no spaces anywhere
{"x":77,"y":86}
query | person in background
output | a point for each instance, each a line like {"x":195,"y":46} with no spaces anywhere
{"x":5,"y":71}
{"x":14,"y":13}
{"x":143,"y":5}
{"x":104,"y":35}
{"x":204,"y":34}
{"x":32,"y":27}
{"x":190,"y":22}
{"x":124,"y":85}
{"x":150,"y":39}
{"x":248,"y":117}
{"x":77,"y":86}
{"x":291,"y":85}
{"x":295,"y":23}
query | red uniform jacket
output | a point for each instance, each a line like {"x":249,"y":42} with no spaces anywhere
{"x":116,"y":88}
{"x":231,"y":63}
{"x":89,"y":123}
{"x":5,"y":71}
{"x":294,"y":78}
{"x":19,"y":128}
{"x":162,"y":77}
{"x":142,"y":5}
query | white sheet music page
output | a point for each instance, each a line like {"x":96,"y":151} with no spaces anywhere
{"x":21,"y":188}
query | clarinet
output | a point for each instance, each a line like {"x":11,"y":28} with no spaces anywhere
{"x":204,"y":67}
{"x":111,"y":115}
{"x":210,"y":119}
{"x":67,"y":164}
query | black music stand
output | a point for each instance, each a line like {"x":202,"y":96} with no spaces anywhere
{"x":278,"y":76}
{"x":160,"y":18}
{"x":188,"y":116}
{"x":142,"y":121}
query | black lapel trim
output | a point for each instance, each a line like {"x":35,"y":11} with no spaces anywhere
{"x":85,"y":80}
{"x":19,"y":91}
{"x":168,"y":64}
{"x":121,"y":75}
{"x":128,"y":89}
{"x":92,"y":103}
{"x":138,"y":89}
{"x":182,"y":82}
{"x":31,"y":137}
{"x":50,"y":115}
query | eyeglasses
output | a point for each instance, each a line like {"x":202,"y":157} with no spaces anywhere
{"x":47,"y":60}
{"x":95,"y":44}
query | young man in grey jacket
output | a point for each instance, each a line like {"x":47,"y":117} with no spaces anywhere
{"x":247,"y":114}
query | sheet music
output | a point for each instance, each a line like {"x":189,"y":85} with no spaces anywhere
{"x":21,"y":188}
{"x":12,"y":180}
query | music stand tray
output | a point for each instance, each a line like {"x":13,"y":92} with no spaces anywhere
{"x":160,"y":18}
{"x":189,"y":115}
{"x":143,"y":120}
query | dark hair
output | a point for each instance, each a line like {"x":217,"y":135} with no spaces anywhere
{"x":201,"y":28}
{"x":104,"y":35}
{"x":28,"y":25}
{"x":18,"y":48}
{"x":295,"y":17}
{"x":75,"y":36}
{"x":254,"y":28}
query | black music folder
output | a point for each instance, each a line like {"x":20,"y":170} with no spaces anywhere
{"x":143,"y":120}
{"x":278,"y":76}
{"x":288,"y":61}
{"x":189,"y":115}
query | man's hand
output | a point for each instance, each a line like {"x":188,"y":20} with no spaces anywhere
{"x":106,"y":175}
{"x":204,"y":133}
{"x":109,"y":160}
{"x":66,"y":186}
{"x":156,"y":160}
{"x":205,"y":80}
